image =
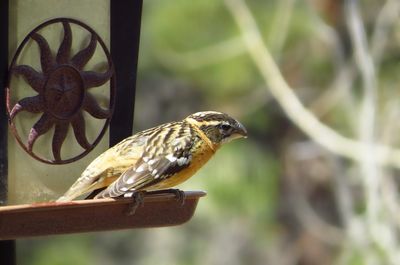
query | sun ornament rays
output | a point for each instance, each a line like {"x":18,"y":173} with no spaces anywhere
{"x":62,"y":91}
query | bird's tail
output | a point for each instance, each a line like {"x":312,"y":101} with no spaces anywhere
{"x":64,"y":199}
{"x":80,"y":187}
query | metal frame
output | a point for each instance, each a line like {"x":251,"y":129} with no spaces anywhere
{"x":125,"y":23}
{"x":7,"y":247}
{"x":125,"y":17}
{"x":66,"y":114}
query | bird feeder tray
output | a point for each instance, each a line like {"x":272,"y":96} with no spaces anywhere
{"x":42,"y":219}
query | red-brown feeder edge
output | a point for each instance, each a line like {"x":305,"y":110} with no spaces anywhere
{"x":42,"y":219}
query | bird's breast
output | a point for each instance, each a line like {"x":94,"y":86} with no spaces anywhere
{"x":201,"y":153}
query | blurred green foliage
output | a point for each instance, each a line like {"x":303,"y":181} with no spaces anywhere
{"x":64,"y":250}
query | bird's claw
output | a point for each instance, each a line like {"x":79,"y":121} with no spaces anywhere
{"x":138,"y":201}
{"x":180,"y":196}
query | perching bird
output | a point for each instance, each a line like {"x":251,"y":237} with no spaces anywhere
{"x":158,"y":158}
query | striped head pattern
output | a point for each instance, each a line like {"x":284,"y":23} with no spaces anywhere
{"x":219,"y":127}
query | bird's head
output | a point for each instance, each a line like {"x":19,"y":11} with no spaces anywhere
{"x":219,"y":127}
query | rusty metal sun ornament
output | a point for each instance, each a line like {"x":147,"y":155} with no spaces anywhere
{"x":62,"y":91}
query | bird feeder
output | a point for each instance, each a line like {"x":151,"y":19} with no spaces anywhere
{"x":67,"y":81}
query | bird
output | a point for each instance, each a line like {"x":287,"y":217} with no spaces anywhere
{"x":157,"y":158}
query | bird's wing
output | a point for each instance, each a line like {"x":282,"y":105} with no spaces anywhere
{"x":106,"y":168}
{"x":154,"y":166}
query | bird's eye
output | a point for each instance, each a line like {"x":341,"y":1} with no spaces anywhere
{"x":225,"y":127}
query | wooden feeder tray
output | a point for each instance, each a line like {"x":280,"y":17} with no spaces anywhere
{"x":41,"y":219}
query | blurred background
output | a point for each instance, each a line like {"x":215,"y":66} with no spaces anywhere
{"x":316,"y":182}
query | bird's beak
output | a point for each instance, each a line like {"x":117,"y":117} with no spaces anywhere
{"x":240,"y":130}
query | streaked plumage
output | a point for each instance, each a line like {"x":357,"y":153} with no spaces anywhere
{"x":158,"y":158}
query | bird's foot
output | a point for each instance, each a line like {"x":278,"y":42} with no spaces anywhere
{"x":138,"y":201}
